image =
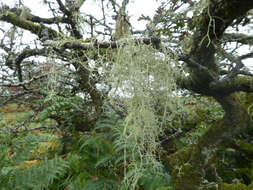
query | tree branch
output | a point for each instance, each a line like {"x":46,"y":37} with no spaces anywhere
{"x":211,"y":25}
{"x":63,"y":8}
{"x":95,"y":44}
{"x":70,"y":13}
{"x":239,"y":83}
{"x":239,"y":38}
{"x":53,"y":20}
{"x":25,"y":82}
{"x":36,"y":29}
{"x":16,"y":60}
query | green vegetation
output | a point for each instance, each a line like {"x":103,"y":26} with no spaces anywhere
{"x":89,"y":102}
{"x":104,"y":159}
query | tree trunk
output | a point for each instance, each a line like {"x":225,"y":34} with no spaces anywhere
{"x":188,"y":165}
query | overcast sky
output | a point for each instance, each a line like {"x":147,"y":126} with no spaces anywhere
{"x":135,"y":9}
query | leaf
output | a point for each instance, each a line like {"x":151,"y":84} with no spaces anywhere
{"x":104,"y":160}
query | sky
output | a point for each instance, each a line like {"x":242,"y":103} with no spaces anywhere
{"x":135,"y":9}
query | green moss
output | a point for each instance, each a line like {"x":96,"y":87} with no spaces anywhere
{"x":179,"y":157}
{"x":15,"y":20}
{"x":224,"y":186}
{"x":246,"y":147}
{"x":250,"y":187}
{"x":184,"y":173}
{"x":245,"y":98}
{"x":186,"y":177}
{"x":237,"y":186}
{"x":27,"y":25}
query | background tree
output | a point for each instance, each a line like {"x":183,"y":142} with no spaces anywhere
{"x":77,"y":63}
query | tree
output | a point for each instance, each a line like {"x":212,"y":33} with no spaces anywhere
{"x":68,"y":51}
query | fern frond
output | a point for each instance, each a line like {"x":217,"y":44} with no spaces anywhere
{"x":35,"y":177}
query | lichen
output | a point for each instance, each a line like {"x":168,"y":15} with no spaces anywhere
{"x":146,"y":79}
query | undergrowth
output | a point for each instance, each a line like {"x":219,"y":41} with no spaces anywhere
{"x":94,"y":161}
{"x":119,"y":152}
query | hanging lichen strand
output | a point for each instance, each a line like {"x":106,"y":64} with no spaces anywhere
{"x":145,"y":79}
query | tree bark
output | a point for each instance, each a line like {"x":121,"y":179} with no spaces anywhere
{"x":188,"y":165}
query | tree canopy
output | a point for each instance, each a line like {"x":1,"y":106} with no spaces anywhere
{"x":95,"y":80}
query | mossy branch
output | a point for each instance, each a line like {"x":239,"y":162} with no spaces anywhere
{"x":239,"y":83}
{"x":36,"y":29}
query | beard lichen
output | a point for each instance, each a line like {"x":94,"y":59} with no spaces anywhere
{"x":145,"y":80}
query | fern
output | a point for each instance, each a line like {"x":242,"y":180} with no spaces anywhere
{"x":95,"y":160}
{"x":37,"y":176}
{"x":64,"y":107}
{"x":102,"y":184}
{"x":22,"y":167}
